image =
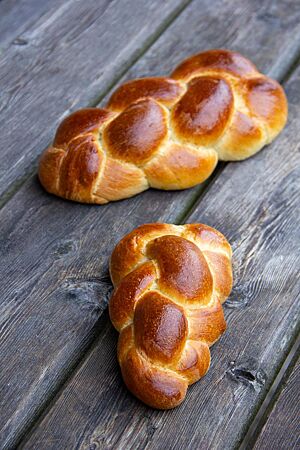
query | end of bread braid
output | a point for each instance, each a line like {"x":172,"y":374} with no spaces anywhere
{"x":169,"y":283}
{"x":165,"y":132}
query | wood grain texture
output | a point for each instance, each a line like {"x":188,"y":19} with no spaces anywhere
{"x":55,"y":253}
{"x":256,"y":205}
{"x":17,"y":15}
{"x":68,"y":60}
{"x":282,"y":427}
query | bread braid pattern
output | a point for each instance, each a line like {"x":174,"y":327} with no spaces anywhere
{"x":165,"y":132}
{"x":170,"y":282}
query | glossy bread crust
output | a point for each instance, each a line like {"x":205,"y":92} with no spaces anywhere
{"x":170,"y":282}
{"x":165,"y":132}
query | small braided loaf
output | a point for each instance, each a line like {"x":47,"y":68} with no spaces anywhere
{"x":169,"y":283}
{"x":165,"y":133}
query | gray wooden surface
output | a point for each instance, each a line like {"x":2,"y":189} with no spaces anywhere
{"x":282,"y":428}
{"x":18,"y":15}
{"x":262,"y":314}
{"x":60,"y":377}
{"x":67,"y":268}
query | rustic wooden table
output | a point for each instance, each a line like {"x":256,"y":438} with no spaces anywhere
{"x":59,"y":380}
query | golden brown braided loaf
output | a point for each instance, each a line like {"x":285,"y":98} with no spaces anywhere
{"x":166,"y":133}
{"x":169,"y":283}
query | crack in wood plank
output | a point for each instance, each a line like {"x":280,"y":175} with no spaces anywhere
{"x":17,"y":16}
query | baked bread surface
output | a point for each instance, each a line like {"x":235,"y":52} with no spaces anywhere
{"x":165,"y":132}
{"x":170,"y":282}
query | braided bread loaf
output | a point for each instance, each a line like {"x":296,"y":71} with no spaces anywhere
{"x":165,"y":133}
{"x":169,"y":283}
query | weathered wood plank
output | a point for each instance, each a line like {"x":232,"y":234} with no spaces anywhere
{"x":282,"y":428}
{"x":255,"y":203}
{"x":55,"y":253}
{"x":17,"y":15}
{"x":68,"y":60}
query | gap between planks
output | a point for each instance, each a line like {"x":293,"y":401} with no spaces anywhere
{"x":267,"y":404}
{"x":14,"y":187}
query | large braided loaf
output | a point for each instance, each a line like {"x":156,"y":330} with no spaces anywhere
{"x":166,"y":133}
{"x":170,"y":282}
